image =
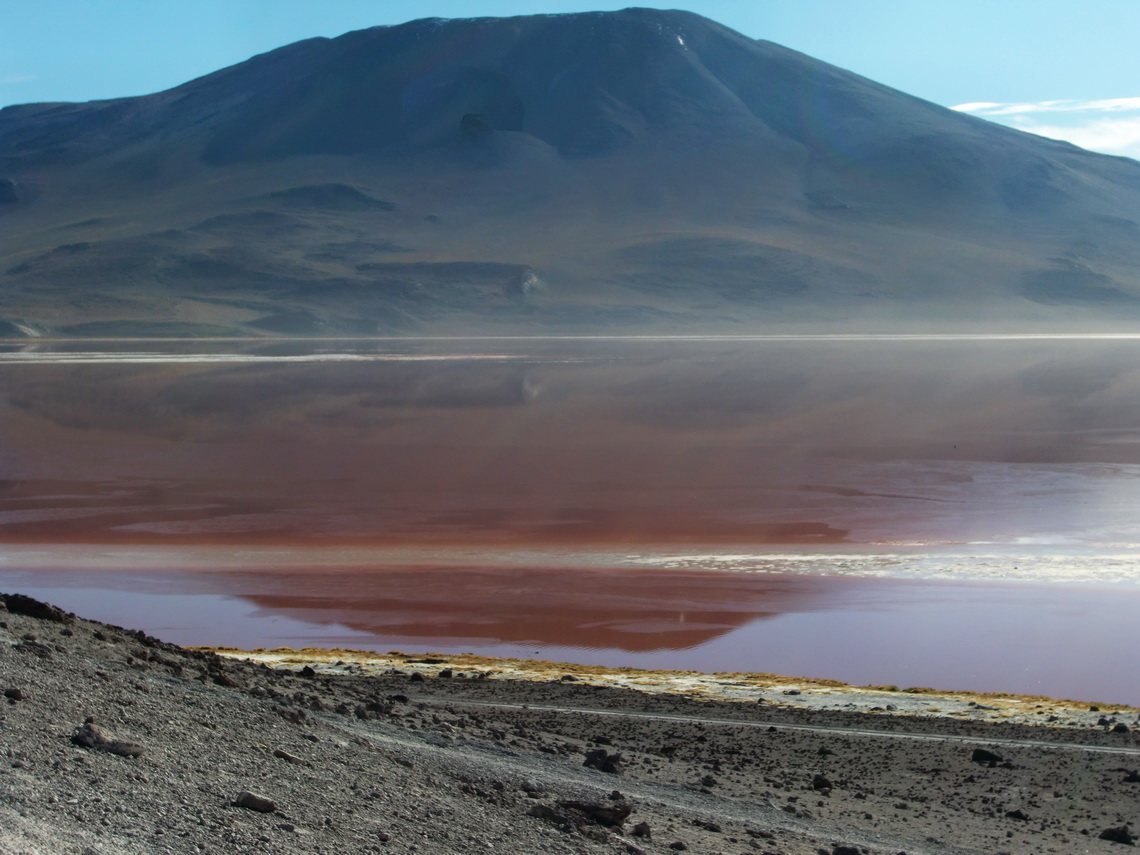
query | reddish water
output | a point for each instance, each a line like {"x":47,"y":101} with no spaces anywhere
{"x":1063,"y":641}
{"x":517,"y":446}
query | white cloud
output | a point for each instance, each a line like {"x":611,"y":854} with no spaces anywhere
{"x":11,"y":79}
{"x":1109,"y":125}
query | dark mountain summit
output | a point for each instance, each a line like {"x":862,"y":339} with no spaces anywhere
{"x":594,"y":172}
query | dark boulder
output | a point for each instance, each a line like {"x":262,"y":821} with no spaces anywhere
{"x":603,"y":761}
{"x":19,"y":604}
{"x":981,"y":755}
{"x":1120,"y":834}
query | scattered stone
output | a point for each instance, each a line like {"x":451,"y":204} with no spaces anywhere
{"x":1132,"y":777}
{"x":679,"y":845}
{"x":707,"y":825}
{"x":14,"y":695}
{"x":1120,"y":727}
{"x":708,"y":781}
{"x":91,"y":735}
{"x":1016,"y":814}
{"x":252,"y":801}
{"x":820,"y":782}
{"x":845,"y":850}
{"x":642,"y":829}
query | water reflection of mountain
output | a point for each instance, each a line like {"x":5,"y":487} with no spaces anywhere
{"x":506,"y":442}
{"x":638,"y":611}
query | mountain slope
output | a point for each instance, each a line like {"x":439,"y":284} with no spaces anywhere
{"x":639,"y":170}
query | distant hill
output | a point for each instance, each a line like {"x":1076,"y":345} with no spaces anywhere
{"x":640,"y":170}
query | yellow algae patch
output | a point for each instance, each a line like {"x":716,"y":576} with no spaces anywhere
{"x":761,"y":688}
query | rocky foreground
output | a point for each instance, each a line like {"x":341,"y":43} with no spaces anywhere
{"x":116,"y":742}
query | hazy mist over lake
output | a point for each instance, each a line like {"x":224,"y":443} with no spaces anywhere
{"x":640,"y":441}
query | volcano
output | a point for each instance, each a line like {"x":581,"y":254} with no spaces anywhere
{"x":636,"y":171}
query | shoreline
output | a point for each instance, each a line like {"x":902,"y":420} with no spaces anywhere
{"x":806,"y":693}
{"x":856,"y":629}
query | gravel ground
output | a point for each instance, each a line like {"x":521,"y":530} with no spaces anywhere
{"x":115,"y":742}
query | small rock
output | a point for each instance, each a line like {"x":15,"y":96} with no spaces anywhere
{"x":642,"y":829}
{"x":1120,"y":727}
{"x":1132,"y":777}
{"x":1016,"y":814}
{"x":820,"y":782}
{"x":252,"y":801}
{"x":36,"y":647}
{"x":608,"y":815}
{"x":290,"y":758}
{"x":679,"y":845}
{"x":91,"y":735}
{"x":15,"y":695}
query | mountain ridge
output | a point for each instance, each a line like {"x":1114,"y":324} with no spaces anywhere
{"x":642,"y":170}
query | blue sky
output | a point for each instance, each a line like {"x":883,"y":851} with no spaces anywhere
{"x":1056,"y":67}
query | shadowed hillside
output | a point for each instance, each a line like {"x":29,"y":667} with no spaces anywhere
{"x":606,"y":172}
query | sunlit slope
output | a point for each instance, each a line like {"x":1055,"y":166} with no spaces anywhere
{"x":607,"y":172}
